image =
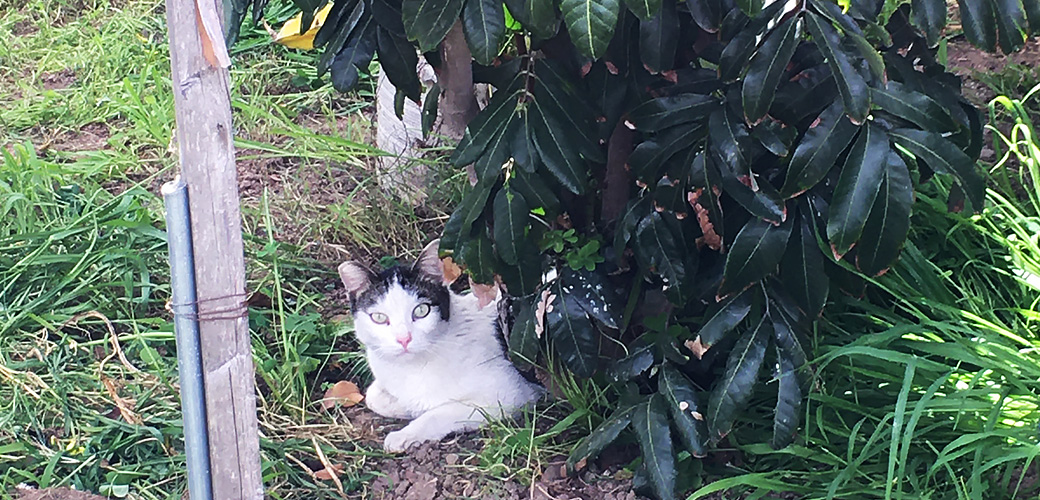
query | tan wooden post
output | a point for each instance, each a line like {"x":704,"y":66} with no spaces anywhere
{"x":204,"y":137}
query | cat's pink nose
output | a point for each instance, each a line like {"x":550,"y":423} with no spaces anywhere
{"x":404,"y":341}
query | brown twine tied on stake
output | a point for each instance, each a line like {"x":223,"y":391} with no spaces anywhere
{"x":240,"y":309}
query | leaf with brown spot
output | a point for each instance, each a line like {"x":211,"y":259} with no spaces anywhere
{"x":343,"y":393}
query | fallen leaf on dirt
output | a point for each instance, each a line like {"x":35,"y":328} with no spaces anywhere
{"x":696,"y":347}
{"x":326,"y":474}
{"x":452,"y":271}
{"x":123,"y":404}
{"x":342,"y":393}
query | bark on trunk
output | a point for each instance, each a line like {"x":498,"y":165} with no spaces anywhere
{"x":616,"y":181}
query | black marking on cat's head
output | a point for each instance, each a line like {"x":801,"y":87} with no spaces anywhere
{"x":410,"y":279}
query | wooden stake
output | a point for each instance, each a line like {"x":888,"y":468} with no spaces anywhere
{"x":207,"y":158}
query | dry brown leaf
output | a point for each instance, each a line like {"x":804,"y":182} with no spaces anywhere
{"x":696,"y":347}
{"x":121,"y":403}
{"x":326,"y":473}
{"x":544,"y":305}
{"x":711,"y":238}
{"x":452,"y":271}
{"x":485,"y":293}
{"x":342,"y":393}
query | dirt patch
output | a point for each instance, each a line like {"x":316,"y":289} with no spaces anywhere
{"x":24,"y":27}
{"x":968,"y":62}
{"x":445,"y":470}
{"x":92,"y":137}
{"x":58,"y":80}
{"x":54,"y":494}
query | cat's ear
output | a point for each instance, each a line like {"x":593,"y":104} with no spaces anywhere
{"x":429,"y":263}
{"x":355,"y":277}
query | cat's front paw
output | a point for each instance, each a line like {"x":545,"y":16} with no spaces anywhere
{"x":400,"y":441}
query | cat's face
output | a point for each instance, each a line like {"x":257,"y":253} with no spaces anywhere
{"x":401,"y":311}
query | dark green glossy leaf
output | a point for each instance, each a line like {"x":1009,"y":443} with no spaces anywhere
{"x":664,"y":112}
{"x":525,"y":276}
{"x":856,"y":189}
{"x":651,"y":156}
{"x":915,"y":107}
{"x":634,"y":364}
{"x":750,"y":7}
{"x":731,"y":140}
{"x":658,"y":38}
{"x":1011,"y":24}
{"x":355,"y":56}
{"x":812,"y":91}
{"x":685,"y":408}
{"x":818,"y":150}
{"x":706,"y":13}
{"x":853,"y":88}
{"x":484,"y":26}
{"x":398,"y":59}
{"x":1032,"y":8}
{"x":457,"y":229}
{"x":510,"y":211}
{"x":478,"y":255}
{"x":489,"y":165}
{"x":592,"y":291}
{"x":486,"y":126}
{"x":573,"y":336}
{"x":635,"y":211}
{"x":387,"y":13}
{"x":644,"y":9}
{"x":429,"y":109}
{"x":590,"y":24}
{"x":536,"y":16}
{"x":340,"y":38}
{"x":734,"y":390}
{"x":523,"y":341}
{"x":428,"y":21}
{"x":522,"y":146}
{"x":330,"y":29}
{"x":765,"y":69}
{"x":889,"y":220}
{"x":656,"y":248}
{"x":725,"y":318}
{"x":942,"y":156}
{"x":558,"y":96}
{"x":600,"y":437}
{"x":979,"y":23}
{"x":761,"y":199}
{"x":802,"y":270}
{"x":737,"y":52}
{"x":535,"y":191}
{"x":786,"y":333}
{"x":775,"y":137}
{"x":650,"y":423}
{"x":559,"y":157}
{"x":929,"y":16}
{"x":788,"y":402}
{"x":755,"y":254}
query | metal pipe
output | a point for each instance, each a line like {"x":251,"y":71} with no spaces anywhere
{"x":186,"y":328}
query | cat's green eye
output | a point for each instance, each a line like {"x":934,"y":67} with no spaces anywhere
{"x":421,"y":311}
{"x":379,"y":318}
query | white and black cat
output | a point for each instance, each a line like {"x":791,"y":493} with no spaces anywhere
{"x":435,"y":354}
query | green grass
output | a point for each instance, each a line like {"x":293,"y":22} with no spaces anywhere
{"x":925,"y":388}
{"x":82,"y":249}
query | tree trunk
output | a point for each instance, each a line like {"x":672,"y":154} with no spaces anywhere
{"x":402,"y":138}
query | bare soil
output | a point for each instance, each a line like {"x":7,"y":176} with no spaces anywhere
{"x":54,"y":494}
{"x":448,"y":470}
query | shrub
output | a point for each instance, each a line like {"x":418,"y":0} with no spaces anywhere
{"x":670,"y":191}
